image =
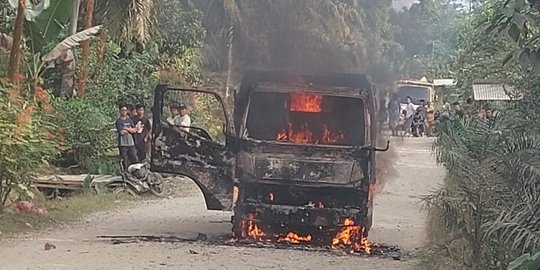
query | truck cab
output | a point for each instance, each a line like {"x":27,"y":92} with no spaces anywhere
{"x":298,"y":154}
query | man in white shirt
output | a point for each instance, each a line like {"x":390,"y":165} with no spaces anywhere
{"x":183,"y":121}
{"x":409,"y":109}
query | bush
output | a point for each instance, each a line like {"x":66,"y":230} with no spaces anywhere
{"x":27,"y":140}
{"x":88,"y":129}
{"x":122,"y":78}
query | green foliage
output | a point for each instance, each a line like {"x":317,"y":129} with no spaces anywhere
{"x":128,"y":22}
{"x":490,"y":196}
{"x":25,"y":143}
{"x":180,"y":26}
{"x":87,"y":128}
{"x":518,"y":21}
{"x":123,"y":77}
{"x":47,"y":26}
{"x":7,"y":17}
{"x":428,"y":31}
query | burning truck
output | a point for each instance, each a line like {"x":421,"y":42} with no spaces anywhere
{"x":297,"y":162}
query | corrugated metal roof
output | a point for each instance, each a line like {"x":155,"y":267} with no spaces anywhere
{"x":495,"y":92}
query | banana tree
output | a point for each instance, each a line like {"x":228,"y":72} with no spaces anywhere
{"x":62,"y":55}
{"x":42,"y":23}
{"x":45,"y":21}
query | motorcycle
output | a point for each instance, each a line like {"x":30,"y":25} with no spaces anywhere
{"x":418,"y":126}
{"x":138,"y":179}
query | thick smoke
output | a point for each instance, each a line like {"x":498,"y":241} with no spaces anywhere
{"x":307,"y":36}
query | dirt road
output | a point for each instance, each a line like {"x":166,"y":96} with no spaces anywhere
{"x":397,"y":222}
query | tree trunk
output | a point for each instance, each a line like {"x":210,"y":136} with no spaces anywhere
{"x":85,"y":50}
{"x":101,"y":47}
{"x":15,"y":55}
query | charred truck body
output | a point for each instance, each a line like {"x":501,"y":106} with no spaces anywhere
{"x":298,"y":160}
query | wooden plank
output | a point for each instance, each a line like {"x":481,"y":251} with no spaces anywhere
{"x":58,"y":186}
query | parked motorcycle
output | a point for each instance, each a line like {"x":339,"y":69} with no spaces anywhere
{"x":137,"y":180}
{"x":418,"y":126}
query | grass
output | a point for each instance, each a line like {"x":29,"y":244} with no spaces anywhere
{"x":444,"y":250}
{"x":59,"y":212}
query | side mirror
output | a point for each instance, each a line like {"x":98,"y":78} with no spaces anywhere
{"x":383,"y":149}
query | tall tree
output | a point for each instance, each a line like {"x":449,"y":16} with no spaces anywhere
{"x":15,"y":55}
{"x":89,"y":16}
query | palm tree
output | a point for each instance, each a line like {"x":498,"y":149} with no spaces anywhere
{"x":491,"y":195}
{"x":125,"y":22}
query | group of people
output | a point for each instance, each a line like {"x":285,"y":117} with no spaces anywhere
{"x":134,"y":133}
{"x":416,"y":121}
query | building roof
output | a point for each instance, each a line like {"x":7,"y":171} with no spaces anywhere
{"x":492,"y":91}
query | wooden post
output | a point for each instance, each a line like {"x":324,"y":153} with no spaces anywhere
{"x":85,"y":50}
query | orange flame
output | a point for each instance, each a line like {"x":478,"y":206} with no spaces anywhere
{"x":271,"y":197}
{"x":304,"y":102}
{"x":294,"y":238}
{"x":303,"y":135}
{"x":328,"y":138}
{"x":351,"y":235}
{"x":251,"y":229}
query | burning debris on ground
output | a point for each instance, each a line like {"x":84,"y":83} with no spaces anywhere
{"x":350,"y":236}
{"x":290,"y":242}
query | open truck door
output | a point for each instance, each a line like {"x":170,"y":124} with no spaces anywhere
{"x":199,"y":152}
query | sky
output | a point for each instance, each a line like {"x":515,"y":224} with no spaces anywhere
{"x":400,"y":4}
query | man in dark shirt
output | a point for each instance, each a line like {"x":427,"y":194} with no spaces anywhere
{"x":458,"y":111}
{"x":142,"y":136}
{"x":126,"y":145}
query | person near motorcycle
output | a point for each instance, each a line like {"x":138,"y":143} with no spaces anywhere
{"x":418,"y":127}
{"x":126,"y":145}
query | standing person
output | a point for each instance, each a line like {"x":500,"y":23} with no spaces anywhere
{"x":458,"y":111}
{"x":142,"y":136}
{"x":422,"y":109}
{"x":126,"y":145}
{"x":394,"y":112}
{"x":430,"y":119}
{"x":409,"y":113}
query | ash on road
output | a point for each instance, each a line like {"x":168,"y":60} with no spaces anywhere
{"x":397,"y":221}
